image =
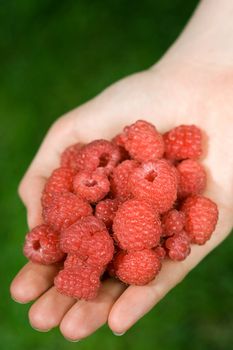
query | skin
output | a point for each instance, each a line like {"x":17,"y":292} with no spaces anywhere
{"x":182,"y":88}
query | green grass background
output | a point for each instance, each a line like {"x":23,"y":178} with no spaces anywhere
{"x":54,"y":55}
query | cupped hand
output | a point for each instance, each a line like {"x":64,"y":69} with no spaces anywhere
{"x":167,"y":95}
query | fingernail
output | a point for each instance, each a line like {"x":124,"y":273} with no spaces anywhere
{"x":17,"y":301}
{"x":118,"y":334}
{"x":73,"y":340}
{"x":42,"y":330}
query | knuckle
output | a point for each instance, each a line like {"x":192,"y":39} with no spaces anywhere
{"x":59,"y":125}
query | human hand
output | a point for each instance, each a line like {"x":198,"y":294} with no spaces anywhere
{"x":171,"y":93}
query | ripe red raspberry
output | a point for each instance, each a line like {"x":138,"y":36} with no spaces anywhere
{"x":138,"y":267}
{"x":172,"y":222}
{"x":65,"y":209}
{"x":42,"y":245}
{"x":201,"y":216}
{"x":81,"y":282}
{"x":106,"y":211}
{"x":72,"y":237}
{"x":91,"y":186}
{"x":136,"y":225}
{"x":89,"y":239}
{"x":74,"y":260}
{"x":178,"y":246}
{"x":117,"y":140}
{"x":192,"y":178}
{"x":99,"y":249}
{"x":61,"y":180}
{"x":155,"y":182}
{"x":120,"y":177}
{"x":69,"y":157}
{"x":99,"y":153}
{"x":160,"y":252}
{"x":143,"y":141}
{"x":183,"y":142}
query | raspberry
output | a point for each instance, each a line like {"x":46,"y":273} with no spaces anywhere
{"x":81,"y":282}
{"x":69,"y":157}
{"x":99,"y":153}
{"x":65,"y":209}
{"x":106,"y":211}
{"x":139,"y":267}
{"x":72,"y":237}
{"x":99,"y":249}
{"x":160,"y":252}
{"x":136,"y":225}
{"x":61,"y":180}
{"x":74,"y":260}
{"x":201,"y":216}
{"x":192,"y":178}
{"x":120,"y":177}
{"x":143,"y":141}
{"x":117,"y":140}
{"x":178,"y":246}
{"x":155,"y":182}
{"x":42,"y":245}
{"x":92,"y":186}
{"x":172,"y":222}
{"x":89,"y":239}
{"x":183,"y":142}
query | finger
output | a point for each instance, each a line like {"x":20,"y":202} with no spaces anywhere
{"x":45,"y":161}
{"x":31,"y":281}
{"x":136,"y":301}
{"x":85,"y":317}
{"x":48,"y":311}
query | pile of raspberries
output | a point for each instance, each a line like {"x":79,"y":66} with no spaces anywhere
{"x":119,"y":208}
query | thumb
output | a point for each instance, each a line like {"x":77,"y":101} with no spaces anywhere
{"x":30,"y":190}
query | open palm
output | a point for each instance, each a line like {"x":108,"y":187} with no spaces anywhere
{"x":167,"y":96}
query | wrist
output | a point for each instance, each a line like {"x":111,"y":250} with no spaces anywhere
{"x":207,"y":40}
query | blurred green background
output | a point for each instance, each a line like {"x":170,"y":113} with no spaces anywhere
{"x":54,"y":55}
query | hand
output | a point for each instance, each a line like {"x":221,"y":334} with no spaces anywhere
{"x":192,"y":84}
{"x":166,"y":95}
